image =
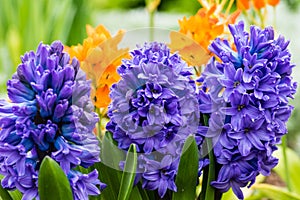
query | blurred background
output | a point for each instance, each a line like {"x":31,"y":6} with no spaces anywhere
{"x":24,"y":24}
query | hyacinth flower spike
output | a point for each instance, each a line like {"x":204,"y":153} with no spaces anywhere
{"x":49,"y":114}
{"x":154,"y":106}
{"x":253,"y":80}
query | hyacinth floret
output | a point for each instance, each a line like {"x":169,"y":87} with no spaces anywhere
{"x":48,"y":113}
{"x":246,"y":92}
{"x":154,"y":107}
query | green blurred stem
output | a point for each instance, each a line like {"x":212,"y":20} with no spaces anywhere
{"x":99,"y":131}
{"x":274,"y":17}
{"x":210,"y":191}
{"x":151,"y":25}
{"x":285,"y":162}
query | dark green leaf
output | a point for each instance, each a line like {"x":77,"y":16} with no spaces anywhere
{"x":4,"y":194}
{"x":13,"y":194}
{"x":137,"y":195}
{"x":128,"y":173}
{"x":108,"y":168}
{"x":145,"y":194}
{"x":53,"y":183}
{"x":186,"y":178}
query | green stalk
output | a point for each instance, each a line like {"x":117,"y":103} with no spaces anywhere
{"x":262,"y":19}
{"x":285,"y":162}
{"x":274,"y":18}
{"x":151,"y":6}
{"x":210,"y":191}
{"x":151,"y":25}
{"x":99,"y":131}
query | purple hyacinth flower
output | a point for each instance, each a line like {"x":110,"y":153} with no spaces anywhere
{"x":240,"y":106}
{"x":160,"y":175}
{"x":232,"y":176}
{"x":253,"y":83}
{"x":251,"y":134}
{"x":49,"y":114}
{"x":232,"y":81}
{"x":154,"y":106}
{"x":154,"y":95}
{"x":85,"y":184}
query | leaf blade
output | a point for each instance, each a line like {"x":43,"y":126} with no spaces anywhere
{"x":275,"y":192}
{"x":4,"y":194}
{"x":293,"y":168}
{"x":52,"y":178}
{"x":108,"y":168}
{"x":128,"y":174}
{"x":186,"y":178}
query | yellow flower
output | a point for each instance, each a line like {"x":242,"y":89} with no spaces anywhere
{"x":99,"y":57}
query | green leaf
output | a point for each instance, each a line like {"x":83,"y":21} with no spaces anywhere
{"x":136,"y":194}
{"x":111,"y":177}
{"x":128,"y":173}
{"x":186,"y":179}
{"x":141,"y":194}
{"x":13,"y":194}
{"x":293,"y":168}
{"x":108,"y":168}
{"x":274,"y":192}
{"x":111,"y":155}
{"x":53,"y":183}
{"x":84,"y":170}
{"x":4,"y":194}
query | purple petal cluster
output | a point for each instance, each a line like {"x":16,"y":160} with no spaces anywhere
{"x":246,"y":93}
{"x":155,"y":107}
{"x":49,"y":113}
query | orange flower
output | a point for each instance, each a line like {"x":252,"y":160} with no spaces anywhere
{"x":189,"y":50}
{"x":258,"y":4}
{"x":243,"y":4}
{"x":99,"y":57}
{"x":256,"y":11}
{"x":273,"y":2}
{"x":205,"y":26}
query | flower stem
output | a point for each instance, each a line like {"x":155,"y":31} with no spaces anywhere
{"x":274,"y":17}
{"x":210,"y":191}
{"x":99,"y":131}
{"x":285,"y":162}
{"x":208,"y":175}
{"x":151,"y":25}
{"x":262,"y":18}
